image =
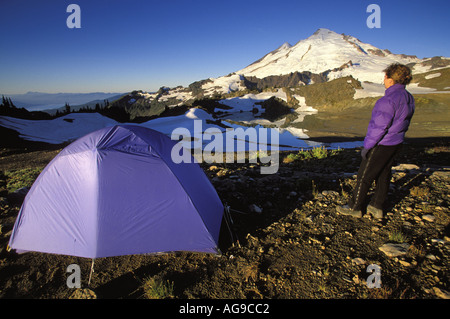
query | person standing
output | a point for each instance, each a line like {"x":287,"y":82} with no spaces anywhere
{"x":390,"y":120}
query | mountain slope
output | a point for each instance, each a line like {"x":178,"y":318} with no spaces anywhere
{"x":326,"y":50}
{"x":323,"y":57}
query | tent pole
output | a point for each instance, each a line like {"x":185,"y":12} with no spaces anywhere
{"x":92,"y":270}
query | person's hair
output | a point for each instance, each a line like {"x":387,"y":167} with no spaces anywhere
{"x":399,"y":73}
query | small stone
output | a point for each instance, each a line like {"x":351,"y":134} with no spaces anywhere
{"x":407,"y":224}
{"x":358,"y":261}
{"x":441,"y":293}
{"x":405,"y":167}
{"x":221,"y":173}
{"x":404,"y":263}
{"x":441,"y":174}
{"x":428,"y":218}
{"x":394,"y":250}
{"x":255,"y":209}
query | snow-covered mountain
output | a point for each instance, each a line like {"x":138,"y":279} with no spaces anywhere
{"x":322,"y":57}
{"x":325,"y":50}
{"x":328,"y":55}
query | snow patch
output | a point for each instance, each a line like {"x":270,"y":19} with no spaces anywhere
{"x":73,"y":126}
{"x":62,"y":129}
{"x":246,"y":107}
{"x":431,"y":76}
{"x":369,"y":90}
{"x":224,"y":84}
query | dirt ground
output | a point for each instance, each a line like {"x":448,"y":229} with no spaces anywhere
{"x":291,"y":244}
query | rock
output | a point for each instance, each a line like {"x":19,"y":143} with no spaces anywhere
{"x":394,"y":250}
{"x":255,"y":209}
{"x":221,"y":173}
{"x":429,"y":218}
{"x":441,"y":293}
{"x":358,"y":261}
{"x":404,"y":263}
{"x":441,"y":174}
{"x":405,"y":167}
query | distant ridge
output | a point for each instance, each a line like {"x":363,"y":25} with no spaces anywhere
{"x":39,"y":101}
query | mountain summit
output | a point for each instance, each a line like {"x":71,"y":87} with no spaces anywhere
{"x":327,"y":51}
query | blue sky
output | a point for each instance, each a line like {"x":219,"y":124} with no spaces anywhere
{"x":143,"y":45}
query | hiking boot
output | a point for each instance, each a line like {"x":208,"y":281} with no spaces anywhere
{"x":375,"y":212}
{"x":346,"y":210}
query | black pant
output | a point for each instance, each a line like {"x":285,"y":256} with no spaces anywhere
{"x":377,"y":167}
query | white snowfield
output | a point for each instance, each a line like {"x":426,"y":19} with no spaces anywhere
{"x":59,"y":130}
{"x":194,"y":122}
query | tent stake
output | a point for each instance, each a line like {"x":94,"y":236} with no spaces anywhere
{"x":92,"y":270}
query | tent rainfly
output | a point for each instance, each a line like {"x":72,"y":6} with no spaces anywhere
{"x":115,"y":192}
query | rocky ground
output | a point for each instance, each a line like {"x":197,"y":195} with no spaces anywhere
{"x":290,"y":242}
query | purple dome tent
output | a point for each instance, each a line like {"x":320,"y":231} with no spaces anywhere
{"x":115,"y":192}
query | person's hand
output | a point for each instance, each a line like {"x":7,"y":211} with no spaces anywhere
{"x":364,"y":153}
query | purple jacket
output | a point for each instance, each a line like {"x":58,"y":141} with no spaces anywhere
{"x":391,"y":116}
